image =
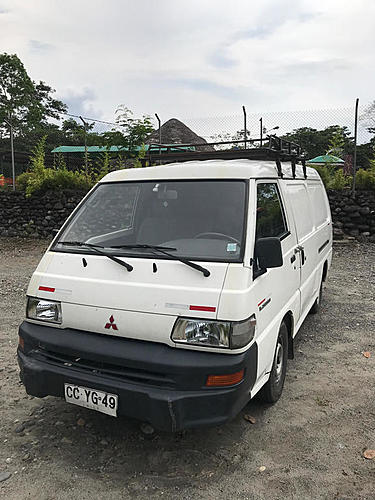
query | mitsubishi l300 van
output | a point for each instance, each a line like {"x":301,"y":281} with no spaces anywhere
{"x":173,"y":293}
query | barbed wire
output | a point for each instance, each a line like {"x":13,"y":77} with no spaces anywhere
{"x":79,"y":117}
{"x":225,"y":127}
{"x":284,"y":122}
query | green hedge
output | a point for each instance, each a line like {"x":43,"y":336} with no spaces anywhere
{"x":336,"y":179}
{"x":40,"y":179}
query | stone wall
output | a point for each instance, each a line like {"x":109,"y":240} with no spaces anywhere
{"x":353,"y":216}
{"x":37,"y":216}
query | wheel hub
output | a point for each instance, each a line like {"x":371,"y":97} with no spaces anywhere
{"x":279,"y":361}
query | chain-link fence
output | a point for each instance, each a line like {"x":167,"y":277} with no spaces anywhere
{"x":280,"y":123}
{"x":211,"y":129}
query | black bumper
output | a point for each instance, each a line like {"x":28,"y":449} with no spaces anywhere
{"x":156,"y":383}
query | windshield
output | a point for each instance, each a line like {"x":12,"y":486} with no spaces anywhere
{"x":201,"y":220}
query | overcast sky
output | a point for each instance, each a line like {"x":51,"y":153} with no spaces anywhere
{"x":195,"y":58}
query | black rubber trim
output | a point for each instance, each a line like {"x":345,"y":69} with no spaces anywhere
{"x":154,"y":382}
{"x":323,"y":246}
{"x":285,"y":235}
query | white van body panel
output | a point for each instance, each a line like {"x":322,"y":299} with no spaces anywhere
{"x":102,"y":283}
{"x":210,"y":169}
{"x":145,"y":305}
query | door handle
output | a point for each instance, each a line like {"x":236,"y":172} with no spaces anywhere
{"x":300,"y":249}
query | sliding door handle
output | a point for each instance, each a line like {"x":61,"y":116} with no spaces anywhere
{"x":300,"y":249}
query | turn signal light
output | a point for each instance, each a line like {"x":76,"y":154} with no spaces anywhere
{"x":21,"y":342}
{"x":224,"y":380}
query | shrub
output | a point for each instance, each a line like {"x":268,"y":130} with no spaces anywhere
{"x":365,"y":179}
{"x":324,"y":175}
{"x":40,"y":179}
{"x":339,"y":180}
{"x":140,"y":156}
{"x":56,"y":180}
{"x":333,"y":179}
{"x":103,"y":167}
{"x":22,"y":180}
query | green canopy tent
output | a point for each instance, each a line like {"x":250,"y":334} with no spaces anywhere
{"x":325,"y":160}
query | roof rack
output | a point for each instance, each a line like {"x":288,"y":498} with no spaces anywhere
{"x":270,"y":148}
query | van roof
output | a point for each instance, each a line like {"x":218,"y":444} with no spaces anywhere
{"x":210,"y":169}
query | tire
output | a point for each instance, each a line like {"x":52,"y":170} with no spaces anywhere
{"x":271,"y":391}
{"x":316,"y":306}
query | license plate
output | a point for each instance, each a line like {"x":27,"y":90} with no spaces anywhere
{"x":91,"y":398}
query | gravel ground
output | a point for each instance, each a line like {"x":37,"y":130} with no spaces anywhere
{"x":309,"y":445}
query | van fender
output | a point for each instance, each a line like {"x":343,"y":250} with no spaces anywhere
{"x":263,"y":377}
{"x":288,"y":319}
{"x":268,"y":337}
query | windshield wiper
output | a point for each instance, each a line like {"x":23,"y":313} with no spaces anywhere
{"x":161,"y":249}
{"x":149,"y":247}
{"x":99,"y":250}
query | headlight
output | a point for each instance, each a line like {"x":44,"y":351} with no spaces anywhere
{"x":228,"y":334}
{"x":43,"y":310}
{"x":201,"y":332}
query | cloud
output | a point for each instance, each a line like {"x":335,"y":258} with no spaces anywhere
{"x":81,"y":102}
{"x":219,"y":59}
{"x":36,"y":45}
{"x":185,"y":57}
{"x":202,"y":85}
{"x":316,"y":69}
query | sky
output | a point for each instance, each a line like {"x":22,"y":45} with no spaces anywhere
{"x":195,"y":58}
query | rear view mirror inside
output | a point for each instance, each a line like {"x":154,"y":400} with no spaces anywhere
{"x":164,"y":193}
{"x":268,"y":252}
{"x":169,"y":194}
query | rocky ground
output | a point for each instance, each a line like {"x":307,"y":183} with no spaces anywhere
{"x":308,"y":446}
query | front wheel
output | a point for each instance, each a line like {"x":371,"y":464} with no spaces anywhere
{"x":272,"y":390}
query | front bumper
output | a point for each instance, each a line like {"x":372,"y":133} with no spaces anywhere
{"x":162,"y":385}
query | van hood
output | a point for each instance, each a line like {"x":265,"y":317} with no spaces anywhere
{"x":92,"y":288}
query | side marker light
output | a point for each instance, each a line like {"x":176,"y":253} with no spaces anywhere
{"x":225,"y":380}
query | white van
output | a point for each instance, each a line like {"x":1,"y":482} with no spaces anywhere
{"x":172,"y":294}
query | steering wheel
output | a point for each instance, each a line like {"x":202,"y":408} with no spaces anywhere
{"x":221,"y":236}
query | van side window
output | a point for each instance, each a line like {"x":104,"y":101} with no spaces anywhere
{"x":270,"y":214}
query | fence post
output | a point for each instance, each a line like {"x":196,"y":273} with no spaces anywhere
{"x":261,"y":131}
{"x":85,"y":126}
{"x":12,"y":151}
{"x":244,"y":125}
{"x":355,"y":145}
{"x":159,"y":125}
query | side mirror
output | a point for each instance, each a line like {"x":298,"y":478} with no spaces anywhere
{"x":268,"y":252}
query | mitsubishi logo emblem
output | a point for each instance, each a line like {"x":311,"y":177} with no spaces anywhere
{"x":111,"y":323}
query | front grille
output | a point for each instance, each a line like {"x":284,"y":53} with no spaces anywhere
{"x":109,"y":370}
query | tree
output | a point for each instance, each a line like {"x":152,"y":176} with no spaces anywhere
{"x":26,"y":104}
{"x":336,"y":144}
{"x":226,"y":137}
{"x":367,"y":118}
{"x":317,"y":142}
{"x":16,"y":89}
{"x":134,"y":130}
{"x":74,"y":133}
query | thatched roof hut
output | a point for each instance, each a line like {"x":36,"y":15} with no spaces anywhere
{"x":175,"y":132}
